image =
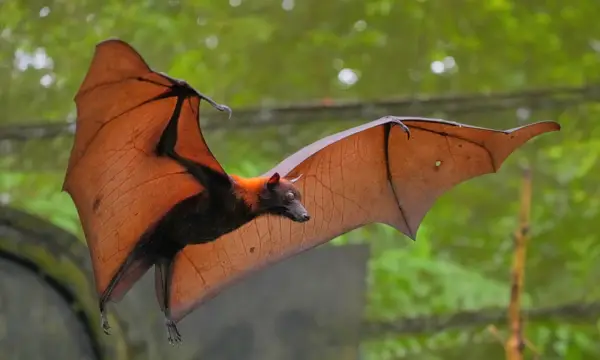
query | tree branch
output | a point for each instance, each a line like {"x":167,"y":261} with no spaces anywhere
{"x":515,"y":344}
{"x":355,"y":111}
{"x":574,"y":312}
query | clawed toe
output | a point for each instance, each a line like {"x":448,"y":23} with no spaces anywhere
{"x":173,"y":334}
{"x":105,"y":325}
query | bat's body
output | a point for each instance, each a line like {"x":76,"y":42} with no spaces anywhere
{"x":220,"y":204}
{"x":200,"y":218}
{"x":150,"y":193}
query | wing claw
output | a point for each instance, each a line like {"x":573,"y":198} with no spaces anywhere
{"x":214,"y":104}
{"x":399,"y":122}
{"x":222,"y":107}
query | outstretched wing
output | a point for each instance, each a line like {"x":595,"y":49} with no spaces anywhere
{"x":117,"y":182}
{"x":373,"y":173}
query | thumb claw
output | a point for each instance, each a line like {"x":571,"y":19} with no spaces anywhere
{"x":228,"y":109}
{"x":222,"y":107}
{"x":403,"y":126}
{"x":219,"y":107}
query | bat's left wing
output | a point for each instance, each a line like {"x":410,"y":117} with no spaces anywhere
{"x":374,"y":173}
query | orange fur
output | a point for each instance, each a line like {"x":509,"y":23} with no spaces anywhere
{"x":248,"y":189}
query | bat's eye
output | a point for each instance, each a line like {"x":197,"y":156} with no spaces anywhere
{"x":289,"y":196}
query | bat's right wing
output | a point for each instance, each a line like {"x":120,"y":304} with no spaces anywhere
{"x":117,"y":182}
{"x":374,"y":173}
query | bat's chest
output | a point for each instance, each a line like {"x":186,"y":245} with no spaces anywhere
{"x":200,"y":219}
{"x":219,"y":221}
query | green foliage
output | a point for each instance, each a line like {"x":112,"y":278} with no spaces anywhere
{"x":260,"y":53}
{"x":39,"y":194}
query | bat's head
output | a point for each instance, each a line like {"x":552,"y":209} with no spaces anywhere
{"x":280,"y":197}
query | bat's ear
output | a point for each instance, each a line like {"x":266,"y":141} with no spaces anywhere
{"x":273,"y":180}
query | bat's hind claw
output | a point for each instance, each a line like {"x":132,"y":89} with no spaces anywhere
{"x":173,"y":334}
{"x":104,"y":323}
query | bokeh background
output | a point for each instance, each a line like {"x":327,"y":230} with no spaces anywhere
{"x":294,"y":71}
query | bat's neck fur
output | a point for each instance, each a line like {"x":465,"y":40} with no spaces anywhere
{"x":249,"y":190}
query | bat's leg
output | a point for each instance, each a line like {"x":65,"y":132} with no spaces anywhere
{"x":163,"y":277}
{"x":103,"y":318}
{"x":134,"y":265}
{"x":106,"y":295}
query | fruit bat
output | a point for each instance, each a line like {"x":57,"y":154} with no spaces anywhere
{"x":149,"y":192}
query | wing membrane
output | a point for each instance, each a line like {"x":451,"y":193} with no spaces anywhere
{"x":118,"y":184}
{"x":372,"y":173}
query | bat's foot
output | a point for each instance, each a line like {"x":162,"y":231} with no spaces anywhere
{"x":104,"y":323}
{"x":173,"y":334}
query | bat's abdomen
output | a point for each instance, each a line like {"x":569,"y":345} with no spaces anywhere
{"x":196,"y":220}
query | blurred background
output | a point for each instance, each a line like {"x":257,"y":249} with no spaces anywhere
{"x":294,"y":71}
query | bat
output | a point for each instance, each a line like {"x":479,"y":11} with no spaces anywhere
{"x":149,"y":192}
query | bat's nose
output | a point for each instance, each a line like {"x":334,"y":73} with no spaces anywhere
{"x":304,"y":217}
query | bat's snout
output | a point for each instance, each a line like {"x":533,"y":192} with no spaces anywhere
{"x":304,"y":217}
{"x":298,"y":213}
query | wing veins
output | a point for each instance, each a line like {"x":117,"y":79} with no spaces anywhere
{"x":116,"y":82}
{"x":162,"y":96}
{"x":119,"y":172}
{"x":195,"y":268}
{"x":463,"y":139}
{"x":144,"y":183}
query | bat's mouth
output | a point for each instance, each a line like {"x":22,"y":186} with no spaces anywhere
{"x":297,"y":216}
{"x":297,"y":212}
{"x":300,"y":218}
